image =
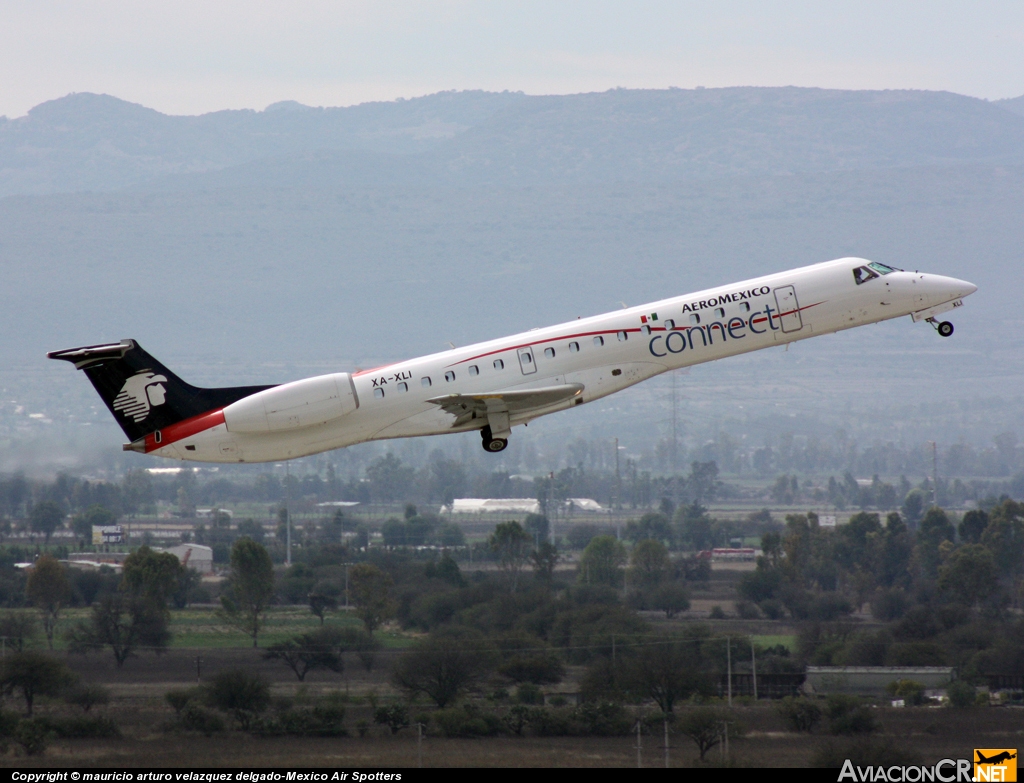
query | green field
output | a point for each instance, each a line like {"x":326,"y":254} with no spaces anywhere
{"x":202,"y":627}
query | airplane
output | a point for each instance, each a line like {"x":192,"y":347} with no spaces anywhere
{"x":496,"y":385}
{"x":996,"y":759}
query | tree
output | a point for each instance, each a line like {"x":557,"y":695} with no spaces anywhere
{"x":245,"y":695}
{"x":32,"y":674}
{"x":49,"y":591}
{"x":602,"y":562}
{"x":252,"y":587}
{"x":544,"y":559}
{"x":320,"y":604}
{"x":151,"y":576}
{"x":649,"y":564}
{"x":123,"y":622}
{"x":705,"y":726}
{"x":669,"y":670}
{"x":309,"y":651}
{"x":18,"y":629}
{"x":512,"y":545}
{"x":386,"y":476}
{"x":370,"y":589}
{"x":670,"y":598}
{"x":46,"y":517}
{"x":441,"y":667}
{"x":97,"y":515}
{"x":972,"y":526}
{"x":969,"y":574}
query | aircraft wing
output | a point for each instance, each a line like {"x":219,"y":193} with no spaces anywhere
{"x":481,"y":406}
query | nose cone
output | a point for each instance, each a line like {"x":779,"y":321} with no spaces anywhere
{"x":946,"y":289}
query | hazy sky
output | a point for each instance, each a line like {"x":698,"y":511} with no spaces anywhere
{"x":189,"y":57}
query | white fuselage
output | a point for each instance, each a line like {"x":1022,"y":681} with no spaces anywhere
{"x":602,"y":354}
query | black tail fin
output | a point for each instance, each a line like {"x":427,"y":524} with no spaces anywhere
{"x":143,"y":395}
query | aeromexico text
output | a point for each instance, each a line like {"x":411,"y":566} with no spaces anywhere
{"x":739,"y":296}
{"x":680,"y":338}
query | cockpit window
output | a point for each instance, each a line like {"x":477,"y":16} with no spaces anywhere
{"x":862,"y":274}
{"x":882,"y":269}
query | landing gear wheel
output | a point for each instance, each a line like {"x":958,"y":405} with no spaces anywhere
{"x":945,"y":329}
{"x":492,"y":445}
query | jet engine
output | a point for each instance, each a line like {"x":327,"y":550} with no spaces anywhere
{"x":293,"y":406}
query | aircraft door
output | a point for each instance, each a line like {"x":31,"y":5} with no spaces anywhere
{"x":789,"y":309}
{"x":526,"y":360}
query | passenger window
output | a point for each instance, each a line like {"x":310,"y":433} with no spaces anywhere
{"x":670,"y":325}
{"x":499,"y":364}
{"x":694,"y":318}
{"x":425,"y":382}
{"x":403,"y":387}
{"x":449,"y":376}
{"x":549,"y":353}
{"x":645,"y":329}
{"x":474,"y":370}
{"x":378,"y":393}
{"x":574,"y":347}
{"x":719,"y":312}
{"x":599,"y":340}
{"x":623,"y":336}
{"x":745,"y":307}
{"x":526,"y":357}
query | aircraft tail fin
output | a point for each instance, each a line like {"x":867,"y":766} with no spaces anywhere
{"x":142,"y":394}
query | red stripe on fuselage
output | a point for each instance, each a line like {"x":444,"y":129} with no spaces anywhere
{"x":184,"y":429}
{"x":603,"y":332}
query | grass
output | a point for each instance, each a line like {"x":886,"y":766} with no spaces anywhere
{"x":771,"y":640}
{"x":202,"y":627}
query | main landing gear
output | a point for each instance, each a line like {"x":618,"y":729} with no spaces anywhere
{"x":945,"y":328}
{"x":493,"y":445}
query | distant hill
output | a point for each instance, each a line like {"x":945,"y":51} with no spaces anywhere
{"x":1016,"y":105}
{"x":96,"y":142}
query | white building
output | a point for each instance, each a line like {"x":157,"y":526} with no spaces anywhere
{"x":194,"y":556}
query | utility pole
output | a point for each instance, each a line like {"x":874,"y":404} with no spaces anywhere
{"x":639,"y":759}
{"x":728,"y":665}
{"x":618,"y":481}
{"x":753,"y":666}
{"x":419,"y":744}
{"x":288,"y":512}
{"x":935,"y":473}
{"x":346,"y":582}
{"x":667,"y":762}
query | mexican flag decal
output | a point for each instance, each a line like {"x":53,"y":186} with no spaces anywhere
{"x":648,"y":318}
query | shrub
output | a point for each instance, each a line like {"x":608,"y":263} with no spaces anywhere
{"x":33,"y":735}
{"x":848,"y":715}
{"x":773,"y":609}
{"x":242,"y":694}
{"x":799,"y":714}
{"x":323,"y":720}
{"x":602,"y":719}
{"x":911,"y":692}
{"x":467,"y":721}
{"x":716,"y":613}
{"x":748,"y":610}
{"x":362,"y":726}
{"x":87,"y":696}
{"x":195,"y":718}
{"x":82,"y":727}
{"x":394,"y":716}
{"x":528,"y":693}
{"x":551,"y":723}
{"x":961,"y":695}
{"x":179,"y":697}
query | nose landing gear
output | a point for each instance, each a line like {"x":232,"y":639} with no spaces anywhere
{"x":945,"y":328}
{"x":492,"y":444}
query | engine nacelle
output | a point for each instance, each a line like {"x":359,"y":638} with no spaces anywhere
{"x":293,"y":406}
